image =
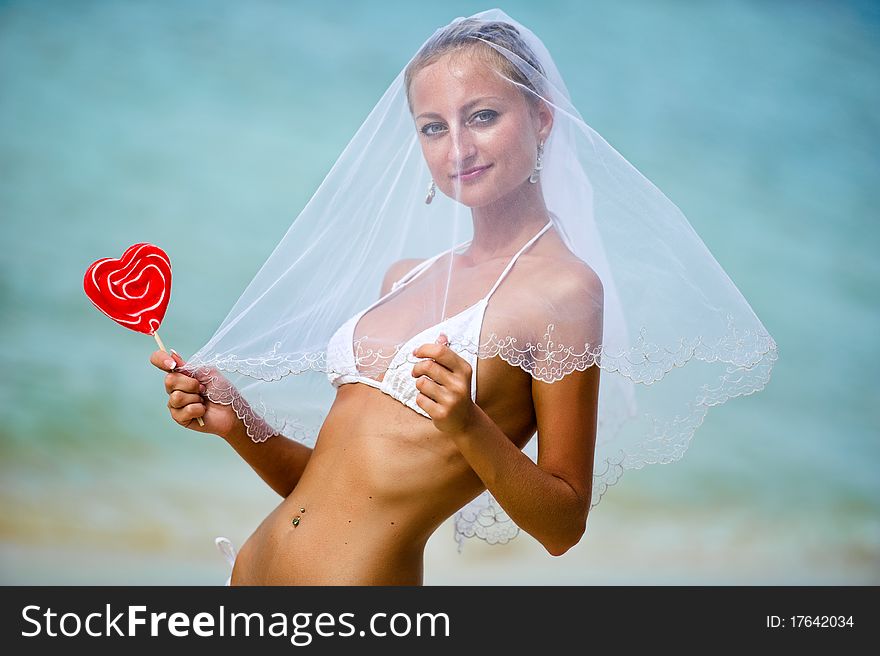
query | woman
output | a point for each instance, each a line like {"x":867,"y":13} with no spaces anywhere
{"x":408,"y":441}
{"x":366,"y":501}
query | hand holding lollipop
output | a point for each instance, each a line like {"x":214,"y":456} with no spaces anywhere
{"x":189,"y":399}
{"x":134,"y":291}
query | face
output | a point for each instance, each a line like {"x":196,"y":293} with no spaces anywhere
{"x":468,"y":116}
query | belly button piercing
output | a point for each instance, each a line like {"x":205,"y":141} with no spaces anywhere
{"x":296,"y":519}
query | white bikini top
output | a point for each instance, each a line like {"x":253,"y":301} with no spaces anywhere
{"x":398,"y":380}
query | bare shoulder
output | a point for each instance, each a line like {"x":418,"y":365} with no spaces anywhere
{"x":580,"y":279}
{"x":397,"y":270}
{"x":564,"y":279}
{"x":561,"y":275}
{"x":569,"y":298}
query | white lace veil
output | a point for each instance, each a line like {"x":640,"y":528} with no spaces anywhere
{"x":671,"y":333}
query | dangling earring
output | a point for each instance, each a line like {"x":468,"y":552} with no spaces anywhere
{"x":431,"y":191}
{"x":533,"y":178}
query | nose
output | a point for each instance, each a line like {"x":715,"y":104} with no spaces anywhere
{"x":462,"y":149}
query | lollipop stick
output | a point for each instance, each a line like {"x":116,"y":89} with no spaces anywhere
{"x":162,"y":348}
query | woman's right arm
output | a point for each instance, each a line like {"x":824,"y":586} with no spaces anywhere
{"x":279,"y":460}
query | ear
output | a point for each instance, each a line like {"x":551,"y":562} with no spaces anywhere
{"x":543,"y":116}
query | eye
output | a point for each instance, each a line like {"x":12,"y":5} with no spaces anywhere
{"x":426,"y":130}
{"x":488,"y":115}
{"x":481,"y":117}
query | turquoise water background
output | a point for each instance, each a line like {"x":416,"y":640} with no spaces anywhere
{"x":185,"y":124}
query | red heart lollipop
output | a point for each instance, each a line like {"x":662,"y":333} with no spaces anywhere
{"x":133,"y":290}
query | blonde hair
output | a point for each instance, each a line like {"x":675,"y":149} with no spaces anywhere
{"x":468,"y":35}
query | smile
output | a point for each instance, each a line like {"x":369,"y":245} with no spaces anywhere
{"x":472,"y":175}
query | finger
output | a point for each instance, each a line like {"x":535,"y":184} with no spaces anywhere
{"x":177,"y":359}
{"x":435,"y":371}
{"x":178,"y":399}
{"x":162,"y":360}
{"x":429,"y":350}
{"x":184,"y":416}
{"x":437,"y":393}
{"x":181,"y":382}
{"x":427,"y":404}
{"x":444,"y":355}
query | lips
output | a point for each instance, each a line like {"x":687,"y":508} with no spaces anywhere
{"x":470,"y":171}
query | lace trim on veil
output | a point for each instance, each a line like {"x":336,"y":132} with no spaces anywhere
{"x":749,"y":356}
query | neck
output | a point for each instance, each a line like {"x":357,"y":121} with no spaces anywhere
{"x":502,"y":227}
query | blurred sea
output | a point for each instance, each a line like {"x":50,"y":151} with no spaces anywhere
{"x":186,"y":124}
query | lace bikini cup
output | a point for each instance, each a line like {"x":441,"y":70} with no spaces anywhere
{"x":463,"y":329}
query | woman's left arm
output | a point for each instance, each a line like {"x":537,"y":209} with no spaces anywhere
{"x":549,"y":499}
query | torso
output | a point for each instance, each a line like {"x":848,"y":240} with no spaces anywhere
{"x":380,"y":481}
